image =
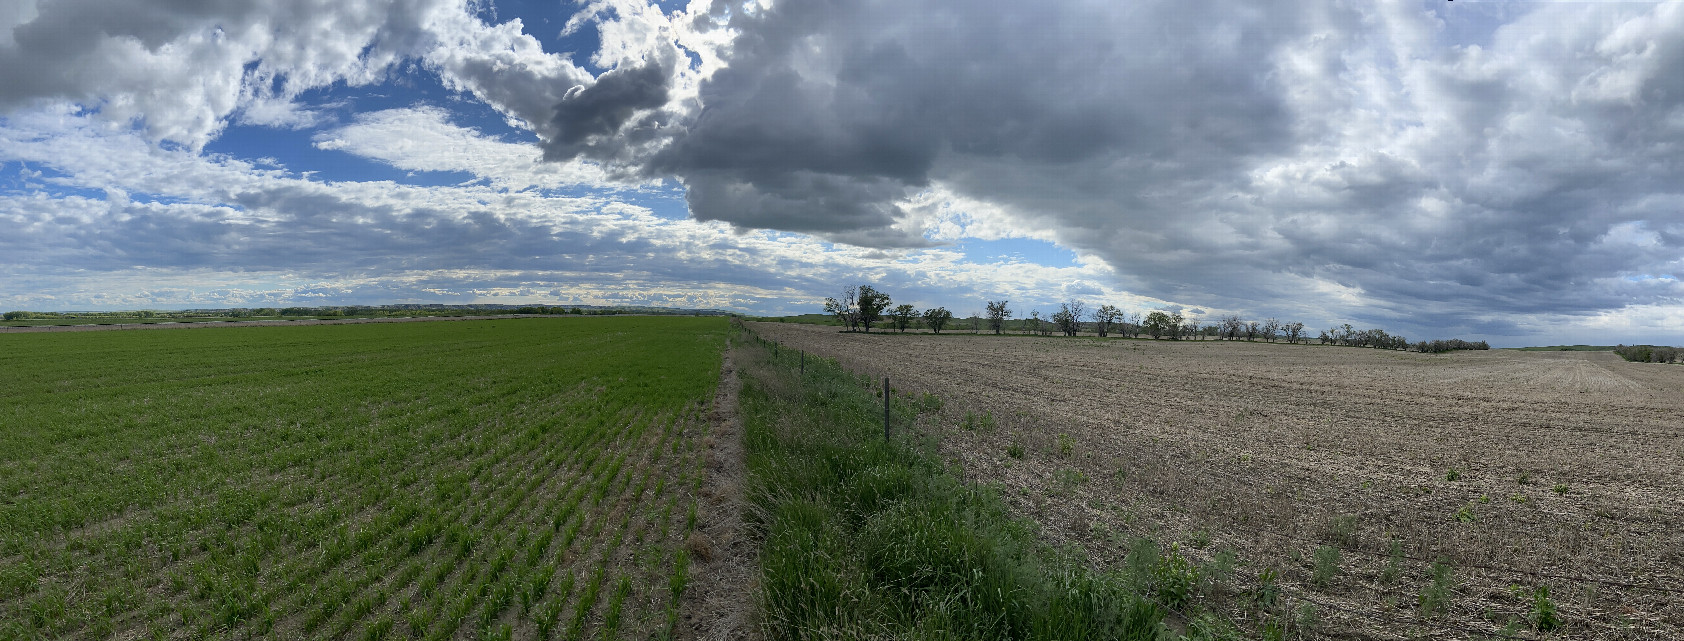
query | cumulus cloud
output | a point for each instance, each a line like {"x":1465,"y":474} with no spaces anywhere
{"x":148,"y":226}
{"x":1399,"y":161}
{"x":1421,"y":165}
{"x":179,"y":70}
{"x":423,"y":139}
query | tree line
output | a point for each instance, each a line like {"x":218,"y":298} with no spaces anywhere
{"x":1650,"y":353}
{"x":861,"y":306}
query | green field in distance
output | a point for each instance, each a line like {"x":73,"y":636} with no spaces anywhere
{"x":530,"y":478}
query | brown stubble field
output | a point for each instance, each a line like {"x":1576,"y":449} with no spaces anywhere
{"x":1568,"y":468}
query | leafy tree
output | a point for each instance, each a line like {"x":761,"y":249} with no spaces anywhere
{"x":1176,"y":323}
{"x":1034,"y":324}
{"x":937,"y":318}
{"x":902,"y":316}
{"x":1157,"y":324}
{"x":871,"y":304}
{"x":1105,"y":318}
{"x":12,"y":316}
{"x":997,"y":315}
{"x":1068,"y":318}
{"x":1440,"y":346}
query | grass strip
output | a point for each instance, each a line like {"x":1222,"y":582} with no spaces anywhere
{"x":864,"y":538}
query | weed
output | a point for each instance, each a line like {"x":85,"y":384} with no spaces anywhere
{"x":1465,"y":514}
{"x":1525,"y":479}
{"x":1066,"y":445}
{"x":1268,"y":590}
{"x":1325,"y":566}
{"x":1174,"y":578}
{"x":928,"y":402}
{"x":1453,"y":475}
{"x":1308,"y":619}
{"x":1394,"y":562}
{"x":1068,"y":480}
{"x":1560,"y":488}
{"x":1544,"y":617}
{"x":1014,"y":450}
{"x":1435,"y":598}
{"x":1343,"y":530}
{"x":1220,"y":568}
{"x":1199,"y":540}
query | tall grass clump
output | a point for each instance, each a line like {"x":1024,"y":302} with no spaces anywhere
{"x":867,"y":538}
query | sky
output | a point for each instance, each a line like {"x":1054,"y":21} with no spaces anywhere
{"x":1508,"y":171}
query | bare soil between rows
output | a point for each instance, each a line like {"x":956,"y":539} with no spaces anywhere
{"x":1519,"y":469}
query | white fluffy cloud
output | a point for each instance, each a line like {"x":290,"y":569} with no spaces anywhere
{"x":146,"y":226}
{"x":424,"y":139}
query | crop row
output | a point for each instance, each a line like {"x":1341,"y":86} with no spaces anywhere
{"x":423,"y":480}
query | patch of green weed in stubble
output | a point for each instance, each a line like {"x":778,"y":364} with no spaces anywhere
{"x":1436,"y":597}
{"x":1325,"y":566}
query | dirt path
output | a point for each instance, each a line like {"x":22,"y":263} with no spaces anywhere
{"x":719,"y":605}
{"x":1519,"y":468}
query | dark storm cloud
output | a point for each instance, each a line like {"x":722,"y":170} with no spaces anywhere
{"x":1247,"y":155}
{"x":589,"y":119}
{"x":831,"y":112}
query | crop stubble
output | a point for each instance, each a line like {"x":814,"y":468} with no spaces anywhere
{"x":1567,"y":464}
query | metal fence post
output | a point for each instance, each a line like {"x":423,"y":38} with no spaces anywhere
{"x":885,"y":409}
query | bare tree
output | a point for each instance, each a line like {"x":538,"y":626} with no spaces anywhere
{"x":1251,"y":330}
{"x":1135,"y":324}
{"x":1294,"y":332}
{"x":1232,"y":326}
{"x":1271,"y":327}
{"x":1034,"y":322}
{"x":1106,"y":317}
{"x":997,"y":315}
{"x":846,"y":310}
{"x":937,"y":318}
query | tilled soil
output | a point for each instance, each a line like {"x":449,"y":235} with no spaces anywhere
{"x":1518,"y":469}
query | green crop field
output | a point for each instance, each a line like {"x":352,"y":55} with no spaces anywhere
{"x":526,"y":478}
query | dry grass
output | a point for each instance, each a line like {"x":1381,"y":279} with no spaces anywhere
{"x":1569,"y":466}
